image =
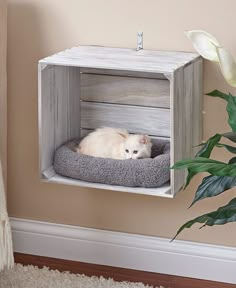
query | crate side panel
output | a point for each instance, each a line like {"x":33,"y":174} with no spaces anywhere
{"x":74,"y":103}
{"x":197,"y":105}
{"x":67,"y":103}
{"x":188,"y":111}
{"x":178,"y":144}
{"x":61,"y":91}
{"x":46,"y":116}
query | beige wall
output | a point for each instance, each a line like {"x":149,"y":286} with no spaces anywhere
{"x":39,"y":28}
{"x":3,"y":86}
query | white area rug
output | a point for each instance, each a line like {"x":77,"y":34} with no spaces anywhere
{"x":32,"y":277}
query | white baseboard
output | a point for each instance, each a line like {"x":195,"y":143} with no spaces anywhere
{"x":195,"y":260}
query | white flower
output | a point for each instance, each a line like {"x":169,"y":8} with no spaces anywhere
{"x":209,"y":48}
{"x":227,"y":65}
{"x":204,"y":43}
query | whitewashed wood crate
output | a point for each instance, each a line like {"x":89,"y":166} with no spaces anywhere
{"x":153,"y":92}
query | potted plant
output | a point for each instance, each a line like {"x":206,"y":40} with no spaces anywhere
{"x":222,"y":175}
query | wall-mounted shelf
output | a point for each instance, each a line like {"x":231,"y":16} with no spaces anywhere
{"x":153,"y":92}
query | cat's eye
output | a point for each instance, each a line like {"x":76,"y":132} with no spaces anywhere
{"x":135,"y":151}
{"x":126,"y":150}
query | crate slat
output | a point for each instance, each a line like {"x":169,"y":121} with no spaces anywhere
{"x":152,"y":121}
{"x":125,"y":90}
{"x":163,"y":191}
{"x":124,"y":73}
{"x":121,"y":59}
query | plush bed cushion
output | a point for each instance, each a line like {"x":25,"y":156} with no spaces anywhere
{"x":148,"y":173}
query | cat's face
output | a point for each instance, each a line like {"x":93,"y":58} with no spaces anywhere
{"x":137,"y":147}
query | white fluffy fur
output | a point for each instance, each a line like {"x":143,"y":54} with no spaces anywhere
{"x":116,"y":144}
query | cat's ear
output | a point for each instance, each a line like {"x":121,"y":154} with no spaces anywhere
{"x":144,"y":139}
{"x":125,"y":136}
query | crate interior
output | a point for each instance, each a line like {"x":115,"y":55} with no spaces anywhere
{"x":75,"y":101}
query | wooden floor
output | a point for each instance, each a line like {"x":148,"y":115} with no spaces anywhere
{"x":118,"y":274}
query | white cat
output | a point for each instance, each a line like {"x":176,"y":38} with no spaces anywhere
{"x":116,"y":144}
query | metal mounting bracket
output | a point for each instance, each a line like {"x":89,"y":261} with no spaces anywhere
{"x":139,"y":41}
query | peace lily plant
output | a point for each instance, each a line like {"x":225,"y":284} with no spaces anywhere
{"x":222,"y":175}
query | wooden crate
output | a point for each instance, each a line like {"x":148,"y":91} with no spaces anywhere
{"x":158,"y":93}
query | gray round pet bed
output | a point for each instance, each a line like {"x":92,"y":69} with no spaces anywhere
{"x":149,"y":173}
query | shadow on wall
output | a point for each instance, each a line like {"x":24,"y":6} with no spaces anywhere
{"x":24,"y":50}
{"x":27,"y":43}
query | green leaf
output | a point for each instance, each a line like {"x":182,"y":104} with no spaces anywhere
{"x":231,"y":136}
{"x":207,"y":149}
{"x":228,"y":147}
{"x":201,"y":164}
{"x":222,"y":215}
{"x":231,"y":106}
{"x":231,"y":109}
{"x":208,"y":146}
{"x":217,"y":93}
{"x":212,"y":186}
{"x":232,"y":160}
{"x":190,"y":176}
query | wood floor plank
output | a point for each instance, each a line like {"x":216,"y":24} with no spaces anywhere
{"x":118,"y":274}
